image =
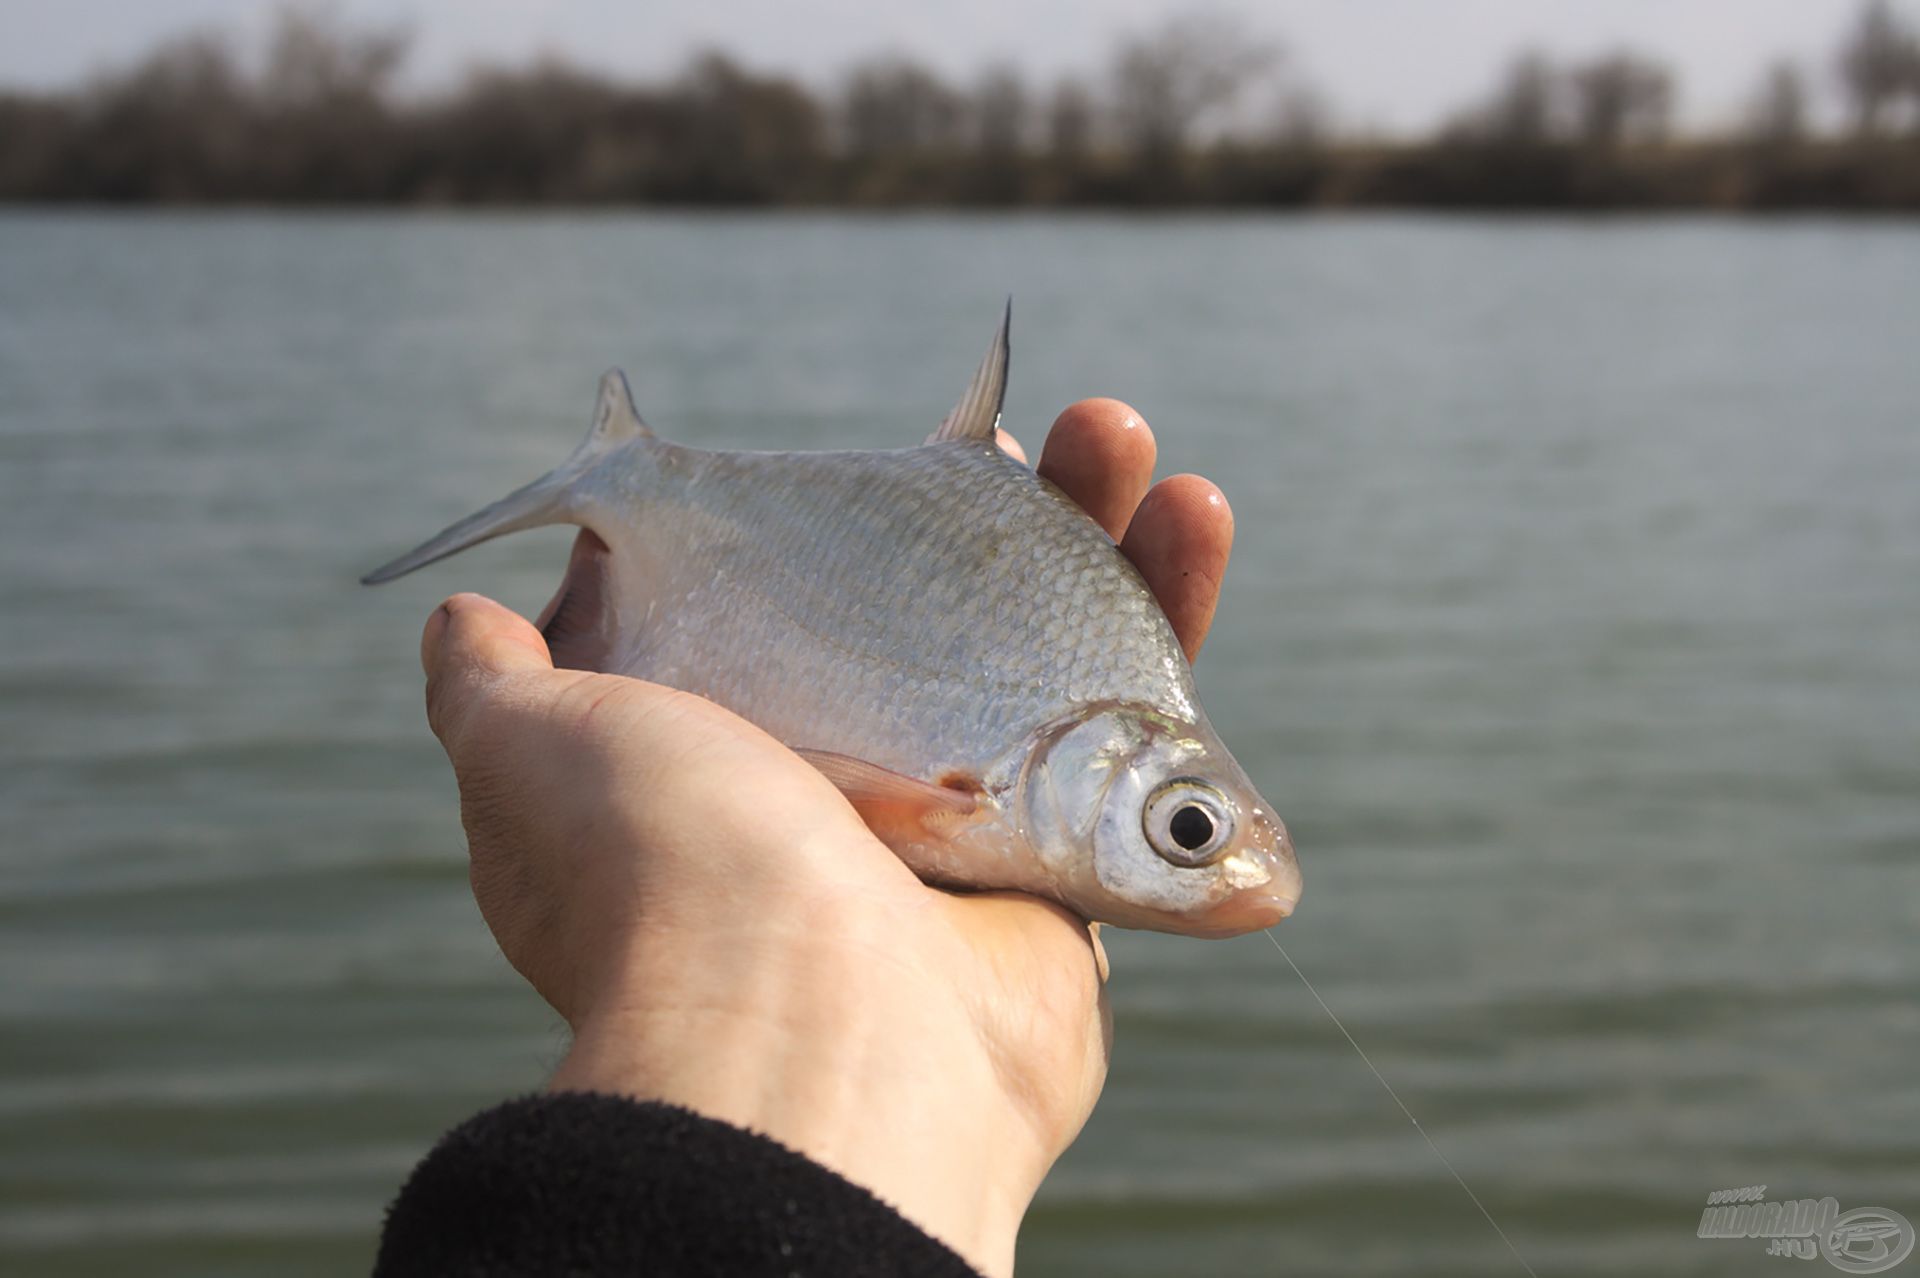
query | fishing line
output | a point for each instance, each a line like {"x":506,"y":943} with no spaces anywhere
{"x":1368,"y":1062}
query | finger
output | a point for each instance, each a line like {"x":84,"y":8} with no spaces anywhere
{"x":1180,"y":540}
{"x":469,"y":642}
{"x":1100,"y":453}
{"x":1009,"y":445}
{"x":1034,"y":935}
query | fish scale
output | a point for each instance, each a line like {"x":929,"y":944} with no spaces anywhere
{"x":859,"y":602}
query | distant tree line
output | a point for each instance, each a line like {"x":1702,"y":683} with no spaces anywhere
{"x":1194,"y":112}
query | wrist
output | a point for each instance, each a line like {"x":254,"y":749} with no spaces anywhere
{"x":842,"y":1054}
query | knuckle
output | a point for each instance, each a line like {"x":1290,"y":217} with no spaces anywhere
{"x":594,"y":708}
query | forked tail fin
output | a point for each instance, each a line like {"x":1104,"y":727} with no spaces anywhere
{"x":545,"y":500}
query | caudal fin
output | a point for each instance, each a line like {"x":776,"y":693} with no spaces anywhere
{"x":545,"y":500}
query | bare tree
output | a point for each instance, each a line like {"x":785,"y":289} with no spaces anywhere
{"x":195,"y":72}
{"x":1301,"y":119}
{"x":893,"y":106}
{"x":1169,"y":81}
{"x":740,"y":133}
{"x":1069,"y":122}
{"x":1000,"y":111}
{"x":177,"y":124}
{"x":312,"y":60}
{"x":1528,"y":108}
{"x":1621,"y":97}
{"x":1778,"y":116}
{"x":1879,"y":62}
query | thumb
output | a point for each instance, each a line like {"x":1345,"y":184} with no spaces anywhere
{"x":470,"y":647}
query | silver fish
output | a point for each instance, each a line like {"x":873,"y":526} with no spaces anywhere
{"x":941,"y":632}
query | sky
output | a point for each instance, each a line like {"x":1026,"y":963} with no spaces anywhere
{"x":1389,"y":66}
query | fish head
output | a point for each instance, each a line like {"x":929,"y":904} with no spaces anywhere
{"x":1148,"y":822}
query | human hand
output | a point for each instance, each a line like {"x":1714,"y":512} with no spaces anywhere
{"x":722,"y":932}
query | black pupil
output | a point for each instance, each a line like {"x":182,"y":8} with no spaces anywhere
{"x":1191,"y":827}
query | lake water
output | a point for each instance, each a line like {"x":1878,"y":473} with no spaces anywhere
{"x":1574,"y":626}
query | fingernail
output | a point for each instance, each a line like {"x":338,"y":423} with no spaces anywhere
{"x":433,"y":636}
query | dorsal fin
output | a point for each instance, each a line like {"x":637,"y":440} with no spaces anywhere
{"x":615,"y":419}
{"x":977,"y":415}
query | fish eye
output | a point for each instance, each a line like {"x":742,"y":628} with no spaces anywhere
{"x":1188,"y":822}
{"x":1191,"y":827}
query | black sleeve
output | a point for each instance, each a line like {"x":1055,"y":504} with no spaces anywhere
{"x":587,"y":1185}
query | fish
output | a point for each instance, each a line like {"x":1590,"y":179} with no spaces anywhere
{"x":940,"y":631}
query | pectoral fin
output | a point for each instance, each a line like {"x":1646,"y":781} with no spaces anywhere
{"x":890,"y":802}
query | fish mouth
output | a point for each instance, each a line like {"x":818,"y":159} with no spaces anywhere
{"x":1249,"y":910}
{"x":1267,"y":885}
